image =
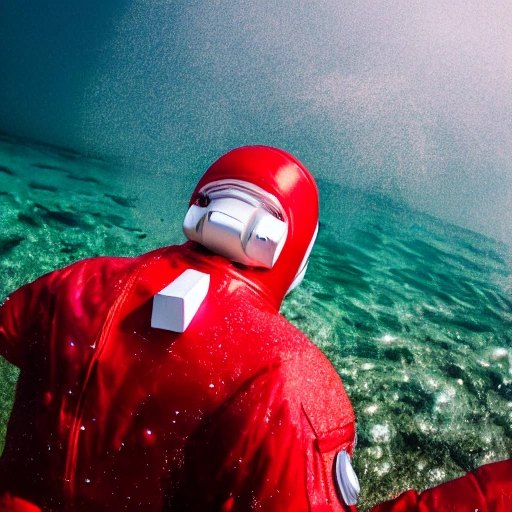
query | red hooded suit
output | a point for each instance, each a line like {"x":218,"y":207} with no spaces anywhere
{"x":241,"y":412}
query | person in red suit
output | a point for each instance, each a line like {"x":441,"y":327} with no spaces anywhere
{"x":171,"y":382}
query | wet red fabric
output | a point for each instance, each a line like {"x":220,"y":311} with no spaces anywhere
{"x":111,"y":414}
{"x":487,"y":489}
{"x":9,"y":503}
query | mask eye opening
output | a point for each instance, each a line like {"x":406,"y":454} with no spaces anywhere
{"x":277,"y":214}
{"x":202,"y":200}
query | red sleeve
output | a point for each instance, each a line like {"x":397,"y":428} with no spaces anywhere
{"x":27,"y":314}
{"x":487,"y":489}
{"x":256,"y":453}
{"x":21,"y":317}
{"x":10,"y":503}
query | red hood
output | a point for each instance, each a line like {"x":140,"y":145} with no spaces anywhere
{"x":282,"y":175}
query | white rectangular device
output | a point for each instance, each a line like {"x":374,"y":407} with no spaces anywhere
{"x":175,"y":306}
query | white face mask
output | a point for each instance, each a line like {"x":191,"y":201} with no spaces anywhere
{"x":239,"y":221}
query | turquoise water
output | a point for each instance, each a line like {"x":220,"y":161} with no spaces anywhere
{"x":415,"y":314}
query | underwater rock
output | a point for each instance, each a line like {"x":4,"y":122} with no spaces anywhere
{"x":31,"y":220}
{"x":122,"y":201}
{"x":9,"y":243}
{"x":367,"y":240}
{"x":380,"y":434}
{"x":86,"y":179}
{"x":63,"y":217}
{"x":41,"y":186}
{"x":366,"y":349}
{"x":505,"y":390}
{"x":6,"y":170}
{"x":413,"y":395}
{"x":69,"y":248}
{"x":48,"y":167}
{"x":399,"y":354}
{"x":112,"y":219}
{"x":455,"y":371}
{"x":499,"y":353}
{"x":470,"y":325}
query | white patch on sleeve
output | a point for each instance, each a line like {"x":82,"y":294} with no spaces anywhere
{"x":346,"y":479}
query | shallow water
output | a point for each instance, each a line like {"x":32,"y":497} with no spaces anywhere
{"x":415,"y":314}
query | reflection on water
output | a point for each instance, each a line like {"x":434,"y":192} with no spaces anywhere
{"x":415,"y":314}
